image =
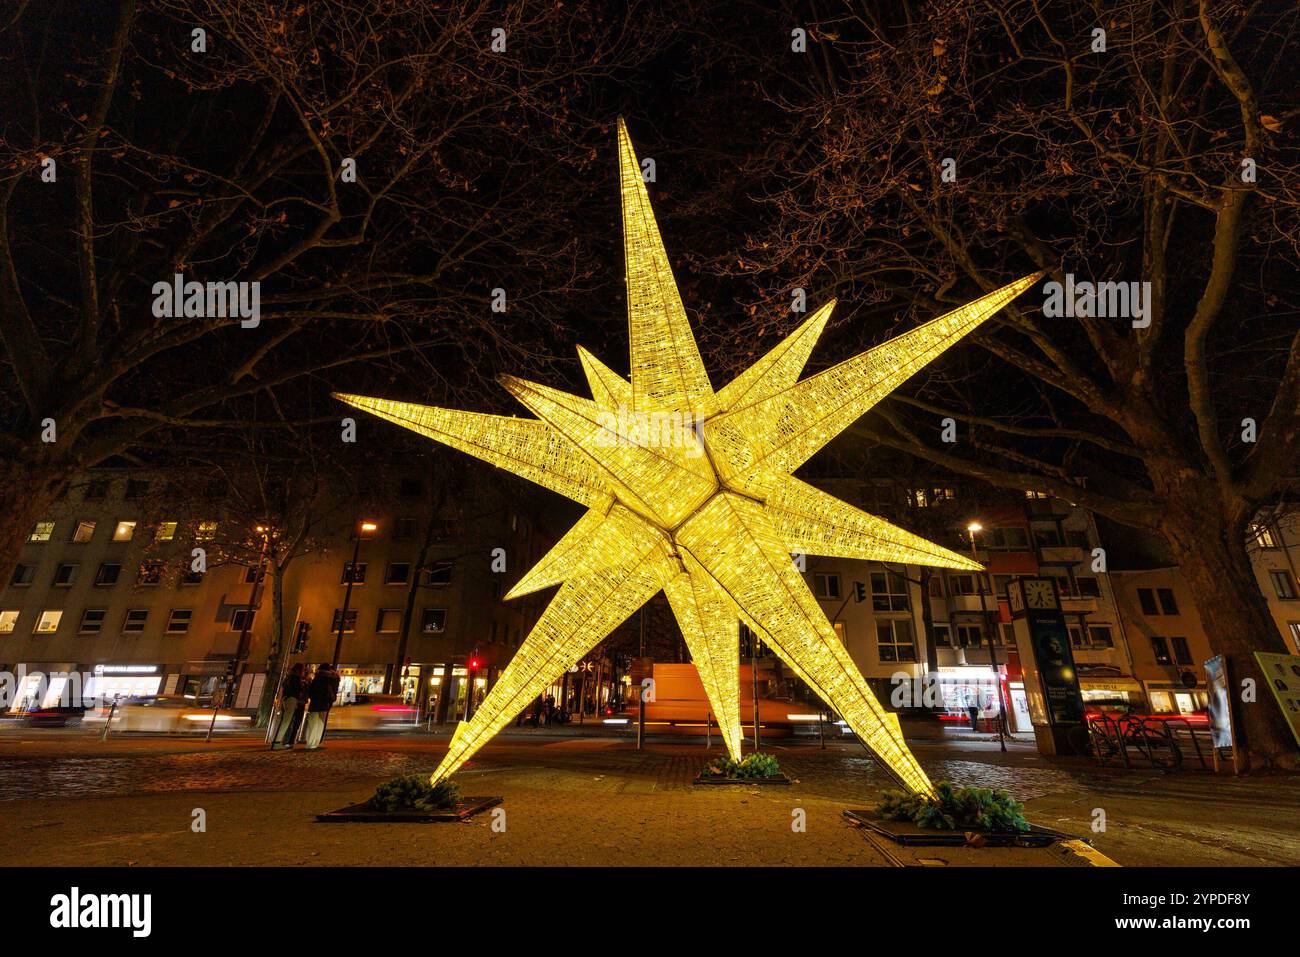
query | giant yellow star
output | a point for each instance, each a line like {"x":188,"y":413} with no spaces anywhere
{"x":690,"y":491}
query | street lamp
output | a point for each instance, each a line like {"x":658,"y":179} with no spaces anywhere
{"x":973,"y":528}
{"x":365,"y":530}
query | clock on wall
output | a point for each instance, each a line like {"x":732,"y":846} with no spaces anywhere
{"x":1040,"y":594}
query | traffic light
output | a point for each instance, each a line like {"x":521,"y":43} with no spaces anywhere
{"x":300,"y":637}
{"x":859,"y":592}
{"x":473,"y":664}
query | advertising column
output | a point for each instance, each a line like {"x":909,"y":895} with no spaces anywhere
{"x":1051,"y":680}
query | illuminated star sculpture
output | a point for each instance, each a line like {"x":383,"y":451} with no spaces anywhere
{"x":690,"y":491}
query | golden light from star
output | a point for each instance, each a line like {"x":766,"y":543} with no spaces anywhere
{"x":690,"y":491}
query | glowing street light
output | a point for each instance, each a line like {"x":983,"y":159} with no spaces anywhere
{"x":366,"y":529}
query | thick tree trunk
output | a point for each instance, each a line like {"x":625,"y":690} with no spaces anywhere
{"x":278,"y":651}
{"x":1238,"y":623}
{"x":26,"y":496}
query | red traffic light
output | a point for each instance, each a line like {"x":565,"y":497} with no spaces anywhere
{"x":473,"y":664}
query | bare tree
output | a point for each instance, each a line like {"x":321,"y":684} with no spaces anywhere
{"x":919,"y":155}
{"x":217,"y":140}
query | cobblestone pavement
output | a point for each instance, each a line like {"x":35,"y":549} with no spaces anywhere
{"x":69,"y":798}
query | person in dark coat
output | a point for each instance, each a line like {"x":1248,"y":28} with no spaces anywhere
{"x":322,"y":691}
{"x":293,"y":695}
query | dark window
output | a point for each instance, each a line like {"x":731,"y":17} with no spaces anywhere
{"x":398,"y":573}
{"x":178,"y":622}
{"x":1077,"y":537}
{"x":410,"y":488}
{"x":190,"y":577}
{"x":894,"y":640}
{"x":404,"y":530}
{"x":357,"y":573}
{"x":433,"y":621}
{"x":135,"y":619}
{"x":151,"y":573}
{"x":1182,"y":653}
{"x":1101,"y":636}
{"x":108,"y":574}
{"x":1047,"y":537}
{"x":1282,"y":584}
{"x":888,"y":593}
{"x":1161,"y":649}
{"x":970,"y":636}
{"x":92,"y":621}
{"x":389,"y":621}
{"x":136,"y":488}
{"x":23,"y":574}
{"x":351,"y":625}
{"x":1167,"y":604}
{"x":239,"y":616}
{"x":1147,"y":599}
{"x":65,"y":574}
{"x":1088,"y":587}
{"x":941,"y":636}
{"x":438,"y":574}
{"x":96,"y":490}
{"x":1076,"y":636}
{"x":254,"y":574}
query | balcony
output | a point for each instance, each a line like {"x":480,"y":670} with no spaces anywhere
{"x":972,"y":603}
{"x":1064,"y":555}
{"x":1078,"y":605}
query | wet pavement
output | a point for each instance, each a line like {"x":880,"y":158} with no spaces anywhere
{"x":68,"y":797}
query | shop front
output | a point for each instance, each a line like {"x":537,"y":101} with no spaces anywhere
{"x":122,"y":683}
{"x":1116,"y":691}
{"x":969,"y":697}
{"x":1172,"y":697}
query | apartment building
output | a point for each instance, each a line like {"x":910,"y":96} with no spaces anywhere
{"x":108,"y":586}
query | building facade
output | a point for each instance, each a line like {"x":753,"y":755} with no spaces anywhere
{"x":137,"y":593}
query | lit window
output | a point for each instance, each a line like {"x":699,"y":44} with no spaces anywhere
{"x":84,"y":532}
{"x":350,"y":626}
{"x":65,"y":575}
{"x":41,"y":532}
{"x":166,"y":532}
{"x":92,"y":621}
{"x":8,"y":621}
{"x":134,"y":621}
{"x":1262,"y":535}
{"x":205,"y":531}
{"x":48,"y":623}
{"x":178,"y":622}
{"x":389,"y":621}
{"x":124,"y":531}
{"x":434,"y":621}
{"x":355,"y":573}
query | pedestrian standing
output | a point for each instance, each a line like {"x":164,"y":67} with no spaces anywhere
{"x":293,"y":694}
{"x":322,"y":691}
